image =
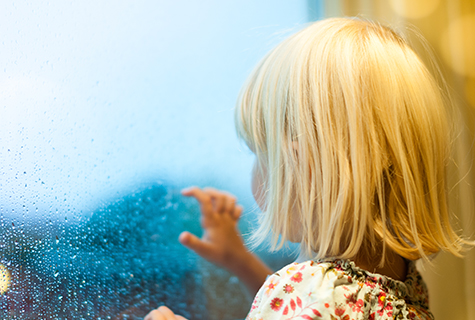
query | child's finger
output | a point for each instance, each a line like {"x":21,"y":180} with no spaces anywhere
{"x":224,"y":201}
{"x":217,"y":197}
{"x":237,"y":212}
{"x":203,"y":198}
{"x":194,"y":243}
{"x":230,"y":204}
{"x":169,"y":315}
{"x":155,"y":315}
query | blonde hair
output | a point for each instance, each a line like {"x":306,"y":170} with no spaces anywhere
{"x":352,"y":131}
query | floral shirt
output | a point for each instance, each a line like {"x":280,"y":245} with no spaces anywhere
{"x":339,"y":290}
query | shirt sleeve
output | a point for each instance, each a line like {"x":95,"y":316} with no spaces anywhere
{"x":293,"y":292}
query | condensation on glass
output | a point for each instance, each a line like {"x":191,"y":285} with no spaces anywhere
{"x":107,"y":109}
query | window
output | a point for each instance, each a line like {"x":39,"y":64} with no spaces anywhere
{"x":107,"y":109}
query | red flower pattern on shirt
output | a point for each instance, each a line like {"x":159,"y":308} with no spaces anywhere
{"x":296,"y":277}
{"x":339,"y":311}
{"x":276,"y":304}
{"x":288,"y":288}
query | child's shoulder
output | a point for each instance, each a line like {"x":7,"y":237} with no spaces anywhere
{"x":337,"y":289}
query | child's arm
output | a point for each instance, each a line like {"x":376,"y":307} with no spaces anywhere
{"x":221,"y":242}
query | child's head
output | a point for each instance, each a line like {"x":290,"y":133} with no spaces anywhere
{"x":352,"y":132}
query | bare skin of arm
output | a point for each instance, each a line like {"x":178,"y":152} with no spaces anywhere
{"x":221,"y":242}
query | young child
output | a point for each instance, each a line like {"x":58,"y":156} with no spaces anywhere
{"x":351,"y":139}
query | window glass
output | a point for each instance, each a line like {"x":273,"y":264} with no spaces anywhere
{"x":108,"y":108}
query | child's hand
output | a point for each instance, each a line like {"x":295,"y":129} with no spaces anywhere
{"x":163,"y":313}
{"x":221,"y":242}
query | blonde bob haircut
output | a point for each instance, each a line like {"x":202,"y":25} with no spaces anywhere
{"x":351,"y":136}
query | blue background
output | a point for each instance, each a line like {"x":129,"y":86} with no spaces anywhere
{"x":107,"y":109}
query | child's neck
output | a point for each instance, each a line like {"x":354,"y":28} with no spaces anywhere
{"x":394,"y":267}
